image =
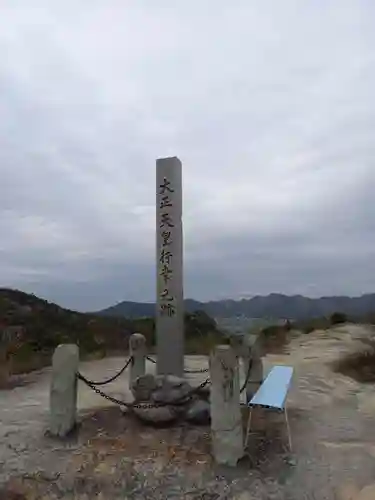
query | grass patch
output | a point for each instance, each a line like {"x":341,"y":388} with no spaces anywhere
{"x":26,"y":360}
{"x":359,"y":366}
{"x":310,"y":325}
{"x":275,"y":339}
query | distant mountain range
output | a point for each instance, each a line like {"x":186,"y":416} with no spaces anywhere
{"x":273,"y":306}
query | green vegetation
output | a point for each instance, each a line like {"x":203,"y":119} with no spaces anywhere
{"x":324,"y":322}
{"x":31,"y":328}
{"x":276,"y":337}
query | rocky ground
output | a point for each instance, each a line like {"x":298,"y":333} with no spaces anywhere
{"x":112,"y":456}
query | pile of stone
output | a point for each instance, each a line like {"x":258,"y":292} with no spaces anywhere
{"x":173,"y":394}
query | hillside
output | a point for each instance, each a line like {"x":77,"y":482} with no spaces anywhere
{"x":274,"y":305}
{"x":30,"y":329}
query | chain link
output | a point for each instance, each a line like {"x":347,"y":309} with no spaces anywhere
{"x":182,"y":400}
{"x":247,"y":376}
{"x":104,"y":382}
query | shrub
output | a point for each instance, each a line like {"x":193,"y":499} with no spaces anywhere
{"x":309,"y":325}
{"x":338,"y":318}
{"x":308,"y":329}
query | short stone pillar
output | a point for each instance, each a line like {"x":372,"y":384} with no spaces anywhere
{"x":63,"y":393}
{"x":253,"y":356}
{"x":226,"y":419}
{"x":137,"y":348}
{"x":248,"y":347}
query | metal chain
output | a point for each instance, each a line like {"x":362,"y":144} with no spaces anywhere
{"x":247,"y":376}
{"x":182,"y":400}
{"x":104,"y":382}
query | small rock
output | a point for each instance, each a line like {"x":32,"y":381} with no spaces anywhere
{"x":142,"y":387}
{"x":170,"y":389}
{"x":169,"y":395}
{"x":158,"y":415}
{"x":199,"y":413}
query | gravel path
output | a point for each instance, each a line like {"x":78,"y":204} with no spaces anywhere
{"x":114,"y":457}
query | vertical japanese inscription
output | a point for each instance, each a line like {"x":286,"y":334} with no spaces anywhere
{"x":167,"y":306}
{"x":169,"y":324}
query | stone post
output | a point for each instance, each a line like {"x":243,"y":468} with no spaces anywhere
{"x":253,"y":354}
{"x":169,"y":303}
{"x":63,"y":393}
{"x":226,"y":419}
{"x":248,"y":347}
{"x":137,"y":348}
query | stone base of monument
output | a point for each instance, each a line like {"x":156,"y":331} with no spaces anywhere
{"x":149,"y":390}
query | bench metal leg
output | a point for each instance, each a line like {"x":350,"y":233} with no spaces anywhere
{"x":248,"y":427}
{"x":287,"y":427}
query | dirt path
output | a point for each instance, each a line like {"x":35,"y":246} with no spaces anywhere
{"x":331,"y":416}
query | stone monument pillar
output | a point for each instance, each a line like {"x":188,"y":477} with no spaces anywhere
{"x":169,"y":303}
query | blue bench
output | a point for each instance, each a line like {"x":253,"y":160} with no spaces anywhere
{"x":272,"y":394}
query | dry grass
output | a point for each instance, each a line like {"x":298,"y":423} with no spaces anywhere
{"x":360,"y":366}
{"x":275,"y":339}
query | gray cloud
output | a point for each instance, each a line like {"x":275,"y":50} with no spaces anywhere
{"x":269,"y":105}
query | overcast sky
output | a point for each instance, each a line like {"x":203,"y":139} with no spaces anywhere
{"x":268,"y":104}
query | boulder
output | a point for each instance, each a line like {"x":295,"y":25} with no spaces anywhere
{"x":170,"y":395}
{"x":204,"y":393}
{"x":170,"y":381}
{"x":199,"y":413}
{"x":158,"y":415}
{"x":164,"y":389}
{"x":143,"y":386}
{"x":170,"y":389}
